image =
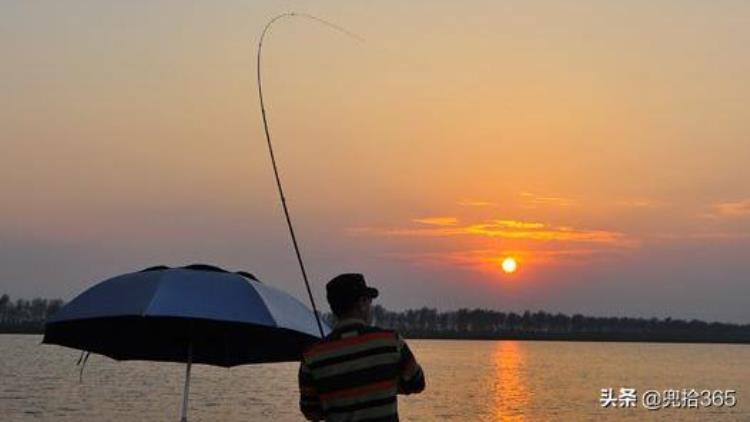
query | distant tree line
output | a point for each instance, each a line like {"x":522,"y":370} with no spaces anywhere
{"x":26,"y":316}
{"x":540,"y":325}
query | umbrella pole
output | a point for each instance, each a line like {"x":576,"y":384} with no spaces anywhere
{"x":187,"y":383}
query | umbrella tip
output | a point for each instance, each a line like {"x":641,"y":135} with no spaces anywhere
{"x":155,"y":268}
{"x":205,"y":267}
{"x":248,"y":275}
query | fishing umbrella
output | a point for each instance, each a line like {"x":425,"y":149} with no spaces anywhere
{"x":194,"y":314}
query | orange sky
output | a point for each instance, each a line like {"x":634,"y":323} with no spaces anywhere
{"x":604,"y":144}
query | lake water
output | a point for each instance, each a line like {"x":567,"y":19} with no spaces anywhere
{"x":466,"y":381}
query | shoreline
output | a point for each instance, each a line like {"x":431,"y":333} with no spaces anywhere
{"x":590,"y":338}
{"x":583,"y":339}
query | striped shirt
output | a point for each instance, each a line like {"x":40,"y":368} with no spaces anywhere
{"x":355,"y":373}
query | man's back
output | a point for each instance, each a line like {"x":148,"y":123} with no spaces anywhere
{"x":355,"y":373}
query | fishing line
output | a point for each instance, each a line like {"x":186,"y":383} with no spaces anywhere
{"x":270,"y":146}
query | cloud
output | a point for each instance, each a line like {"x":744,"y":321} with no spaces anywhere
{"x":733,"y":209}
{"x":501,"y":229}
{"x":516,"y":224}
{"x":641,"y":203}
{"x":479,"y":244}
{"x":437,"y":221}
{"x":716,"y":236}
{"x":471,"y":203}
{"x":509,"y":229}
{"x":488,"y":260}
{"x":531,"y":200}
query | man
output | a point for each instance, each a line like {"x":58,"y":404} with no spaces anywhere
{"x":355,"y":373}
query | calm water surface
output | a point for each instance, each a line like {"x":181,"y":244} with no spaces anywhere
{"x":466,"y":381}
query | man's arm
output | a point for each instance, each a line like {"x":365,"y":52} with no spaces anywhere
{"x":309,"y":402}
{"x":411,"y":379}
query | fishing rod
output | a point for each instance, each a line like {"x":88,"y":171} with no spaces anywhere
{"x":270,"y":146}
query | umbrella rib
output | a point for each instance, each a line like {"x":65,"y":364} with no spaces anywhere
{"x":153,"y":298}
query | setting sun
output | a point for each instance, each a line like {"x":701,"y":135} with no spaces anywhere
{"x":509,"y":265}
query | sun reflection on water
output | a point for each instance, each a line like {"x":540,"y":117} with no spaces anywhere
{"x":511,"y":392}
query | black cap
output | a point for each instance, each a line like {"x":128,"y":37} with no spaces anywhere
{"x":348,"y":288}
